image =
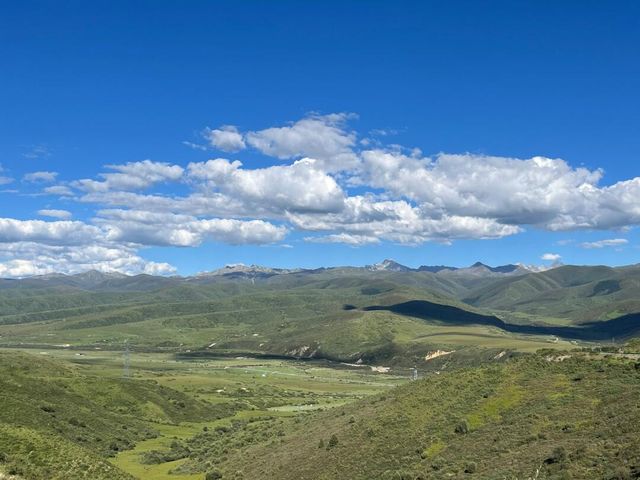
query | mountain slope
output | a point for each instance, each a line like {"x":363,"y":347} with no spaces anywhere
{"x":577,"y":293}
{"x":536,"y":417}
{"x":57,"y":423}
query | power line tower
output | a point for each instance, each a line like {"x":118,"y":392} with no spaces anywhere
{"x":414,"y":373}
{"x":126,"y":363}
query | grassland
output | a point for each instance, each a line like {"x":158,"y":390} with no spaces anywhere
{"x":544,"y":416}
{"x":67,"y":410}
{"x":70,"y":414}
{"x":306,"y":376}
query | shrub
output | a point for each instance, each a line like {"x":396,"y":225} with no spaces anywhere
{"x":558,"y":455}
{"x":213,"y":475}
{"x":462,"y":427}
{"x":621,"y":473}
{"x":333,"y":441}
{"x":471,"y":467}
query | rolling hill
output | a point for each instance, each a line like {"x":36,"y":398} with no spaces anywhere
{"x":386,"y":313}
{"x":488,"y":405}
{"x":56,"y":422}
{"x":546,"y":416}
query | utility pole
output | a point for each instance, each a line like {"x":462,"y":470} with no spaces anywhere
{"x":126,"y":360}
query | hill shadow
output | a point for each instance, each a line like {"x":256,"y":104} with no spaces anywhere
{"x":623,"y":326}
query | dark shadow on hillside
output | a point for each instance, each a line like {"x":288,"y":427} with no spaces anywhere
{"x":603,"y":330}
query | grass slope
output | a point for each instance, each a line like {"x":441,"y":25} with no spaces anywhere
{"x":321,"y":317}
{"x":539,"y":416}
{"x":576,"y":293}
{"x":57,"y":422}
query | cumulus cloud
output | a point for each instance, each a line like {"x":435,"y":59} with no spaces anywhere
{"x":59,"y":190}
{"x":332,"y":185}
{"x":397,"y":221}
{"x":35,"y":247}
{"x":55,"y":213}
{"x":226,"y":138}
{"x":23,"y":259}
{"x":542,"y":192}
{"x":322,"y":137}
{"x":43,"y":177}
{"x":294,"y":188}
{"x":611,"y":242}
{"x":164,"y":229}
{"x":47,"y":233}
{"x":30,"y":247}
{"x":132,"y":176}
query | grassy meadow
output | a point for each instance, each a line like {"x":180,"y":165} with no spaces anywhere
{"x":307,"y":376}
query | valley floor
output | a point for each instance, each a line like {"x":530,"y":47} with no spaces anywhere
{"x":252,"y":389}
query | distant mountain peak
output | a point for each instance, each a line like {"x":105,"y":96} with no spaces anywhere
{"x":388,"y":265}
{"x":242,"y":269}
{"x":98,"y":273}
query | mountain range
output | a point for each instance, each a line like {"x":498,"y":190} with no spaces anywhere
{"x":513,"y":294}
{"x":470,"y":331}
{"x":93,"y":278}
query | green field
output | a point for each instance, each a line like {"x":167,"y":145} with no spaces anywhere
{"x":225,"y":390}
{"x":307,"y":376}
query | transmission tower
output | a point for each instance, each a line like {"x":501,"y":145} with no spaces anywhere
{"x":126,"y":360}
{"x":414,"y":373}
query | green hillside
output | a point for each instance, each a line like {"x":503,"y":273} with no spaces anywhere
{"x":577,"y":294}
{"x":346,"y":314}
{"x":326,"y":315}
{"x":245,"y":376}
{"x":57,"y":422}
{"x":544,"y":416}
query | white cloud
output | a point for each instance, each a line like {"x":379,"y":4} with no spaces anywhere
{"x":346,"y":238}
{"x":153,"y":228}
{"x":383,"y":132}
{"x":48,"y":233}
{"x":321,"y":137}
{"x":237,"y":232}
{"x":612,"y":242}
{"x":199,"y":204}
{"x":22,"y":268}
{"x":195,"y":146}
{"x":132,"y":176}
{"x":333,"y":185}
{"x":448,"y":196}
{"x":22,"y":259}
{"x":37,"y":151}
{"x":564,"y":242}
{"x":59,"y":190}
{"x":40,"y":177}
{"x":226,"y":138}
{"x":543,"y":192}
{"x":294,"y":188}
{"x":4,"y":180}
{"x":397,"y":221}
{"x":55,"y":213}
{"x":34,"y":247}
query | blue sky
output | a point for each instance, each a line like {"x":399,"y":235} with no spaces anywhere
{"x":420,"y":124}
